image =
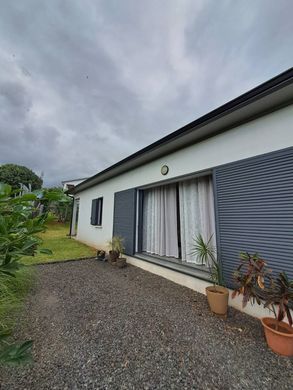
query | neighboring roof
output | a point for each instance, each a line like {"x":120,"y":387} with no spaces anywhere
{"x":69,"y":181}
{"x":267,"y":97}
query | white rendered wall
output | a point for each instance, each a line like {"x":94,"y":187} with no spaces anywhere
{"x":266,"y":134}
{"x":269,"y":133}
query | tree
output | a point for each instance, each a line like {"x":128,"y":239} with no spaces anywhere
{"x":59,"y":203}
{"x":15,"y":175}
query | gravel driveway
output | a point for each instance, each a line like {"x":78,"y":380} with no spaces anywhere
{"x":98,"y":327}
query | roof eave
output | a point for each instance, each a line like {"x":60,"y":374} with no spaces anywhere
{"x":270,"y":96}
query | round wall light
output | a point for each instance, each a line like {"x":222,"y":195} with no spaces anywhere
{"x":164,"y":169}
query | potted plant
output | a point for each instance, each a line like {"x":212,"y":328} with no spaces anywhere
{"x":279,"y":334}
{"x":257,"y":285}
{"x":217,"y":294}
{"x":250,"y":278}
{"x":101,"y":255}
{"x":116,"y":251}
{"x":113,"y":250}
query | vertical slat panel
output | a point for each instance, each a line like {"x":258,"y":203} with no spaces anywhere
{"x":254,"y":211}
{"x":125,"y":218}
{"x":94,"y":212}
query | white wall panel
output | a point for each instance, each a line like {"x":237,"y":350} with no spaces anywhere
{"x":266,"y":134}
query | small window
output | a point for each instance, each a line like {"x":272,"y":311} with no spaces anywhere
{"x":97,"y":211}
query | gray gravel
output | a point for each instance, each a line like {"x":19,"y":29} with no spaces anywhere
{"x":98,"y":327}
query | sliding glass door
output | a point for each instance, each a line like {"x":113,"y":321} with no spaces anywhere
{"x":173,"y":215}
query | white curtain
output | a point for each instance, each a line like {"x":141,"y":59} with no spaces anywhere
{"x":197,"y":215}
{"x":160,"y":221}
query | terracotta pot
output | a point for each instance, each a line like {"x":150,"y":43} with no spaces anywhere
{"x":281,"y":340}
{"x":218,"y":297}
{"x":121,"y":262}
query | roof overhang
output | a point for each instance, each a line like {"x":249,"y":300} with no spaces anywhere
{"x":268,"y":97}
{"x":72,"y":180}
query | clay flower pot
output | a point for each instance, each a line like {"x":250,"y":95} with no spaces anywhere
{"x":281,"y":340}
{"x":218,"y":297}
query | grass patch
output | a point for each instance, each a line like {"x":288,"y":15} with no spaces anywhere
{"x":13,"y":291}
{"x":62,"y":246}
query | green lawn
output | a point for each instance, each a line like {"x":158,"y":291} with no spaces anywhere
{"x":62,"y":246}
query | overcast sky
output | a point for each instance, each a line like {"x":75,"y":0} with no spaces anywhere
{"x":85,"y":83}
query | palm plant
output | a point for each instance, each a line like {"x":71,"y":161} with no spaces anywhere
{"x":206,"y":253}
{"x":116,"y":245}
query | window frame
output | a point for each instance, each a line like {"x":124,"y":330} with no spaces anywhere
{"x":97,"y":209}
{"x":164,"y":259}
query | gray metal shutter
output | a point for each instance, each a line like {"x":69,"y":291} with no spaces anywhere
{"x":125,"y":218}
{"x":94,"y":212}
{"x":99,"y":211}
{"x":254,"y":211}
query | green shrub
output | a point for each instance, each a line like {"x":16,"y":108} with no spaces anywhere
{"x":20,"y":221}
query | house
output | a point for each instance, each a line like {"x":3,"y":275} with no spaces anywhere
{"x":70,"y":184}
{"x":228,"y":174}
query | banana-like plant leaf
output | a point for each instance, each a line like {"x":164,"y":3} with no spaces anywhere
{"x":5,"y":190}
{"x":17,"y":353}
{"x":28,"y":197}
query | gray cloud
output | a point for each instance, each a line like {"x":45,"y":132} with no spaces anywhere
{"x":85,"y":83}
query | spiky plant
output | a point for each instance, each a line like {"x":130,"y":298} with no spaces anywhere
{"x":206,"y":253}
{"x":116,"y":245}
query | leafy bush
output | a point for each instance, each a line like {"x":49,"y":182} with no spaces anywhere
{"x":250,"y":277}
{"x":60,"y":204}
{"x":256,"y":283}
{"x":18,"y":228}
{"x":280,"y":294}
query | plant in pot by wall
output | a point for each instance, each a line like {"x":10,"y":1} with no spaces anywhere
{"x":218,"y":294}
{"x":116,"y":252}
{"x":101,"y":255}
{"x":257,"y":285}
{"x":114,"y":249}
{"x":250,"y":277}
{"x":279,"y":334}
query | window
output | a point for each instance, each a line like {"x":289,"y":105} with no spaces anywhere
{"x":173,"y":215}
{"x":97,"y":211}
